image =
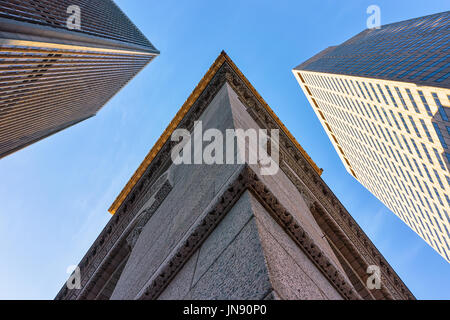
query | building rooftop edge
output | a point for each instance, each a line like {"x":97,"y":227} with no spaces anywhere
{"x":306,"y":63}
{"x":22,"y":30}
{"x":314,"y":58}
{"x":221,"y":59}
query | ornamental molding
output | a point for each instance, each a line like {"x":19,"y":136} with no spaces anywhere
{"x":199,"y":91}
{"x":331,"y":209}
{"x":244,"y":179}
{"x":309,"y":183}
{"x":293,"y":163}
{"x":118,"y":233}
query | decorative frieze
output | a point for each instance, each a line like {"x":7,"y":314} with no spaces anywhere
{"x":245,"y":179}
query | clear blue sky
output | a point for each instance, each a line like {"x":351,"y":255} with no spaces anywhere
{"x":55,"y":194}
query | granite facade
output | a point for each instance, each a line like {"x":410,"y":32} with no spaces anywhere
{"x":226,"y":231}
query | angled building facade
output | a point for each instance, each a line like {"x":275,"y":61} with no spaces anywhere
{"x":225,"y":231}
{"x":383,"y":99}
{"x":52,"y":77}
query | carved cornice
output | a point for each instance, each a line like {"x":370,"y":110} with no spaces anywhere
{"x":307,"y":182}
{"x":164,"y":188}
{"x":114,"y":236}
{"x":245,"y":179}
{"x":198,"y":91}
{"x":293,"y":163}
{"x":143,"y":188}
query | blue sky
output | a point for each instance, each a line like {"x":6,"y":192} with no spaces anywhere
{"x":55,"y":193}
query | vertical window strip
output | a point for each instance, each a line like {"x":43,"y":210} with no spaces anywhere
{"x":416,"y":148}
{"x":414,"y":126}
{"x":349,"y":88}
{"x":407,"y":144}
{"x":438,"y":157}
{"x":382,"y":94}
{"x":411,"y":98}
{"x":401,"y":98}
{"x":440,"y":107}
{"x":392,"y":96}
{"x":395,"y":119}
{"x":427,"y":153}
{"x":425,"y":103}
{"x":360,"y":89}
{"x":428,"y":174}
{"x":438,"y":196}
{"x":368,"y":92}
{"x":418,"y":168}
{"x":343,"y":85}
{"x":379,"y":114}
{"x":440,"y":136}
{"x":404,"y":122}
{"x":375,"y":93}
{"x":439,"y":179}
{"x":354,"y":87}
{"x":426,"y":130}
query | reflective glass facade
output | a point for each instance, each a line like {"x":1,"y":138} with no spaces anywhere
{"x":51,"y":77}
{"x":415,"y":50}
{"x":392,"y":135}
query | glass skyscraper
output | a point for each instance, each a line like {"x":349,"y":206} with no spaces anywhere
{"x":53,"y":75}
{"x":383,"y":98}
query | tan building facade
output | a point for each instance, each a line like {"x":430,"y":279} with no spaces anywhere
{"x":393,"y":136}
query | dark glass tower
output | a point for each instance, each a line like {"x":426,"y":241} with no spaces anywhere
{"x":414,"y":51}
{"x":52,"y":77}
{"x":383,"y":98}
